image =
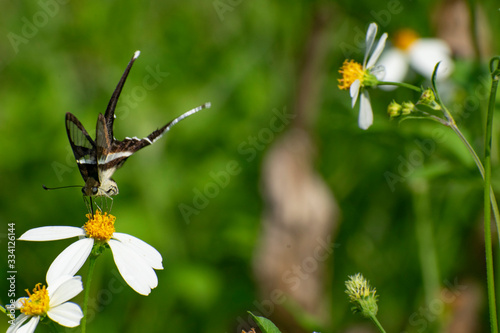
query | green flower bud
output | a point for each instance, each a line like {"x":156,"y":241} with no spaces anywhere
{"x":407,"y":108}
{"x":427,"y":97}
{"x":361,"y":296}
{"x":394,"y":109}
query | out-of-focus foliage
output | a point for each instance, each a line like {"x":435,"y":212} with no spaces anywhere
{"x":243,"y":56}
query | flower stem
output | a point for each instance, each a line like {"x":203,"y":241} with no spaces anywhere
{"x":479,"y":164}
{"x":92,"y":261}
{"x":487,"y":198}
{"x":377,"y":323}
{"x":399,"y":84}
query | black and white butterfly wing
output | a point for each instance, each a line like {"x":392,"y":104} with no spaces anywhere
{"x":112,"y":154}
{"x":105,"y":166}
{"x":109,"y":115}
{"x":84,"y":149}
{"x":121,"y":150}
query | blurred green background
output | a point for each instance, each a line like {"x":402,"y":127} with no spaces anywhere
{"x":245,"y":58}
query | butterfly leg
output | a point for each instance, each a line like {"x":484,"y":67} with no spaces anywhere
{"x":89,"y":204}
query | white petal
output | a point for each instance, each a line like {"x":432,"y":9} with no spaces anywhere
{"x":70,"y":260}
{"x":395,"y":63}
{"x":28,"y":327}
{"x":54,"y":284}
{"x":135,"y":271}
{"x":354,"y":91}
{"x":425,"y":53}
{"x":370,"y":38}
{"x":51,"y":233}
{"x":143,"y":249}
{"x":65,"y":290}
{"x":377,"y":52}
{"x":67,"y":314}
{"x":365,"y":111}
{"x":21,"y":318}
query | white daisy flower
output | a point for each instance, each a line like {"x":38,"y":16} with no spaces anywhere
{"x":356,"y":77}
{"x":422,"y":54}
{"x":52,"y":302}
{"x":135,"y":259}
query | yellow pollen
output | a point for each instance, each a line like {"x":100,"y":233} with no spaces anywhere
{"x":351,"y":71}
{"x":100,"y":227}
{"x":404,"y":38}
{"x":38,"y":303}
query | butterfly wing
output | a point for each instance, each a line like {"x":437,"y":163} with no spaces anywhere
{"x":159,"y":132}
{"x":121,"y":150}
{"x":84,"y":148}
{"x":109,"y":115}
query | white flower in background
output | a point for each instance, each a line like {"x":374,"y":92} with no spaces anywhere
{"x":356,"y":77}
{"x":52,"y":302}
{"x":422,"y":54}
{"x":135,"y":259}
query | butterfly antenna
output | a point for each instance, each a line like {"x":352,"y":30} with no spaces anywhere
{"x":58,"y":188}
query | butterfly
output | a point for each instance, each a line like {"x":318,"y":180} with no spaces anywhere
{"x":98,"y":159}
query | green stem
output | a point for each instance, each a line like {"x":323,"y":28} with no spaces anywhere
{"x":479,"y":164}
{"x":376,"y":322}
{"x":487,"y":199}
{"x":92,"y":261}
{"x":399,"y":84}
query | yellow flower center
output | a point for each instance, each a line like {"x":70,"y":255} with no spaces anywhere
{"x":100,"y":227}
{"x":404,"y":38}
{"x":350,"y":71}
{"x":38,"y":303}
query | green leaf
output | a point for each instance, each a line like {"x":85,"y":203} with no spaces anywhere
{"x":433,"y":82}
{"x":265,"y":324}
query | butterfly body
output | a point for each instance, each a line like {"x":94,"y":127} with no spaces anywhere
{"x":98,"y":160}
